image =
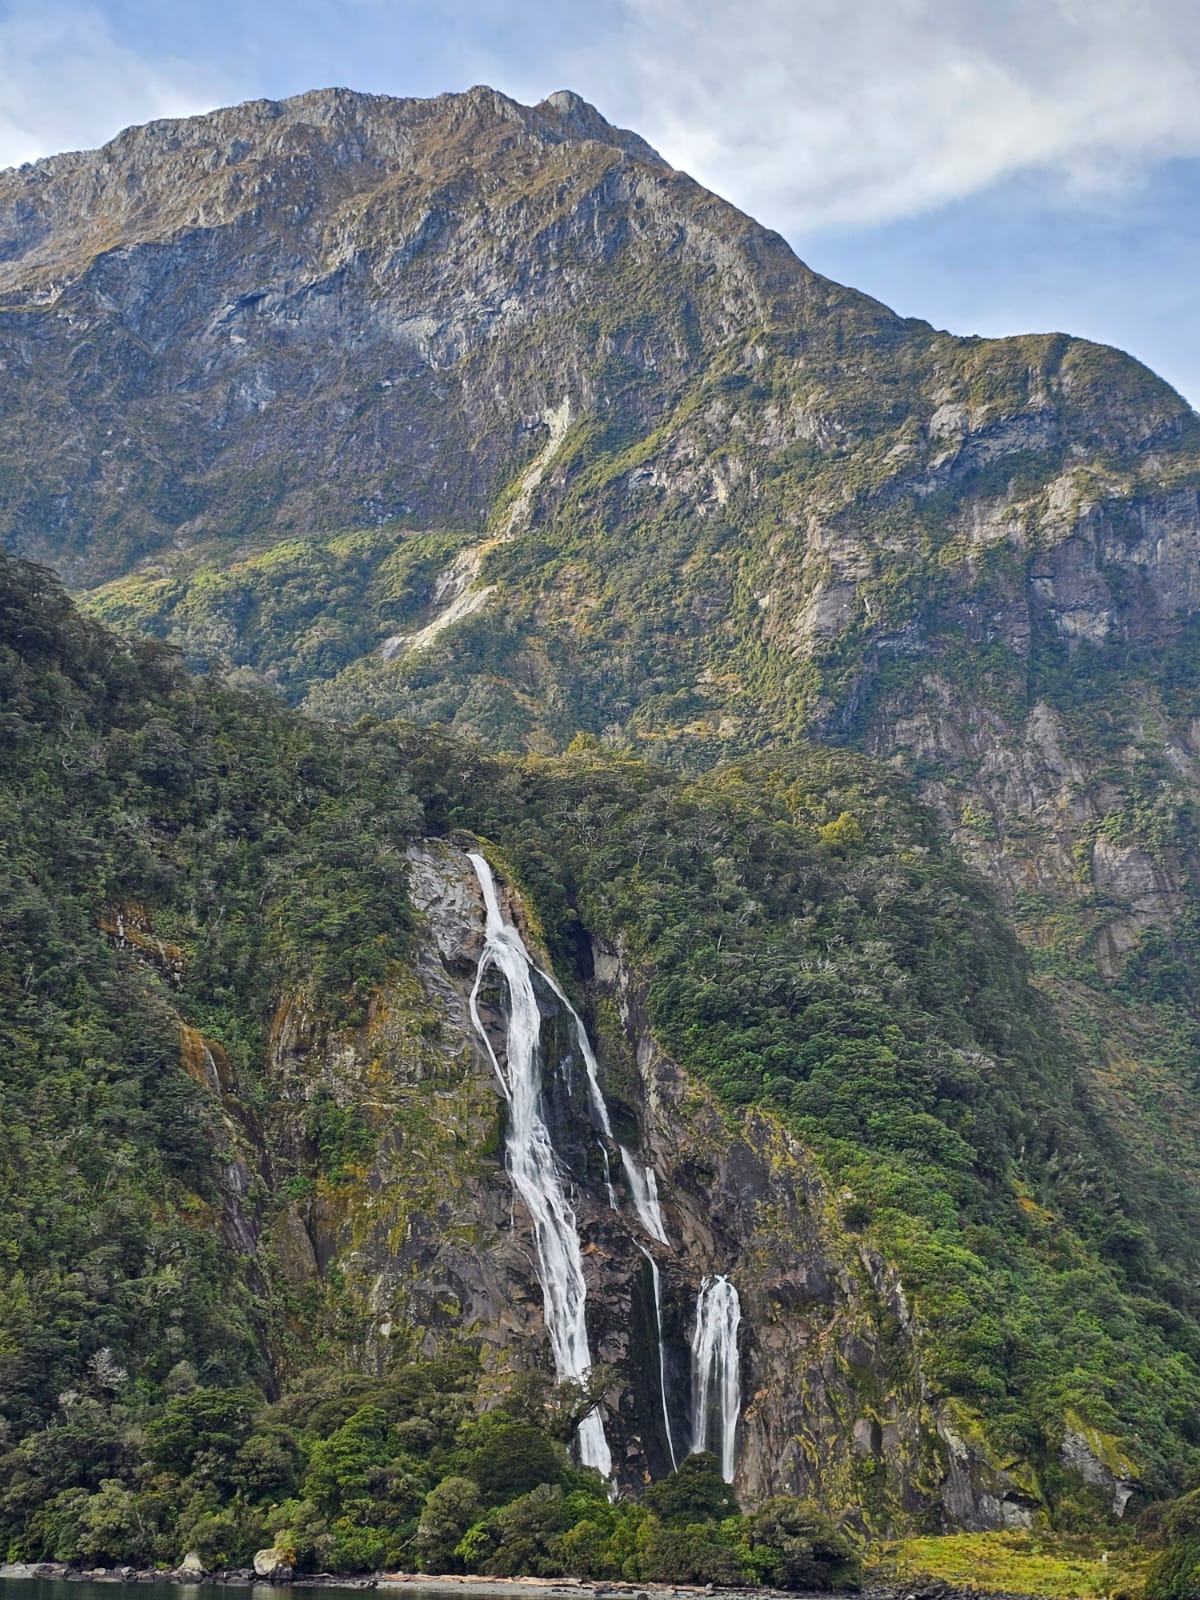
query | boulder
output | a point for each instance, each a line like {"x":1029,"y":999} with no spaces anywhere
{"x":273,"y":1563}
{"x":192,"y":1567}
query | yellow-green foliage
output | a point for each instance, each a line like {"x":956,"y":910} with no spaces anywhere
{"x":1054,"y":1567}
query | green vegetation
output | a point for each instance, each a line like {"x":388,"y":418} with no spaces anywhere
{"x":779,"y":514}
{"x":858,"y":982}
{"x":1060,"y":1567}
{"x":349,"y":1474}
{"x":292,"y":615}
{"x":179,"y":857}
{"x":271,"y":855}
{"x":1174,"y":1530}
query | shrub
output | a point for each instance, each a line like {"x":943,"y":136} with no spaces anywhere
{"x":791,"y":1544}
{"x":694,"y":1492}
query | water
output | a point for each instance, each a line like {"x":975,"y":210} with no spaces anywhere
{"x":532,"y":1163}
{"x":662,"y":1353}
{"x":643,"y":1189}
{"x":60,"y":1589}
{"x":608,"y":1183}
{"x":537,"y":1176}
{"x":716,"y":1378}
{"x":595,"y":1094}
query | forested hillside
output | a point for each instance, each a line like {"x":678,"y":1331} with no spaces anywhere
{"x":180,"y":857}
{"x":819,"y":690}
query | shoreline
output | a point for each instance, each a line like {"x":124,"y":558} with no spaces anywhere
{"x":474,"y":1584}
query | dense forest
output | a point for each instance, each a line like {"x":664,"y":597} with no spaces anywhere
{"x":455,"y":476}
{"x":809,"y":947}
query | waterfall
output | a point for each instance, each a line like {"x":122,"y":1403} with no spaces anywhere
{"x":643,"y":1190}
{"x":716,"y":1379}
{"x":643,"y":1187}
{"x":532,"y":1163}
{"x":536,"y":1171}
{"x":662,"y":1353}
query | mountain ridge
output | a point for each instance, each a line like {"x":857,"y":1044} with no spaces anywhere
{"x":512,"y":458}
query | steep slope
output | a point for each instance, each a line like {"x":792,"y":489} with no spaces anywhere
{"x":337,"y":311}
{"x":250,"y":1125}
{"x":482,"y":415}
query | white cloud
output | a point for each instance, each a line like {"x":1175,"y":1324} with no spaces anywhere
{"x":827,"y":112}
{"x":809,"y":113}
{"x":67,"y":84}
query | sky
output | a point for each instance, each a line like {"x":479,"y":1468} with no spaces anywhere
{"x":994,"y":166}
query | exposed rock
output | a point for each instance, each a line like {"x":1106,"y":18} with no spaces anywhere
{"x":1142,"y":886}
{"x":432,"y":1243}
{"x":1099,"y":1462}
{"x":273,"y":1564}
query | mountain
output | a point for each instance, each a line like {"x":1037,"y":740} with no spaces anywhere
{"x":259,"y":1169}
{"x":484,"y":416}
{"x":821,"y":689}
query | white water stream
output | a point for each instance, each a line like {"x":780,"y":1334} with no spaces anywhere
{"x":532,"y":1163}
{"x":537,"y":1176}
{"x":643,"y":1186}
{"x":716,"y":1378}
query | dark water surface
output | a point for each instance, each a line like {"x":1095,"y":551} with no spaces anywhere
{"x":58,"y":1589}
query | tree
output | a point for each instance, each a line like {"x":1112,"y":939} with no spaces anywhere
{"x":694,"y":1492}
{"x":449,"y":1510}
{"x":344,"y":1468}
{"x":112,"y":1527}
{"x":791,"y":1544}
{"x":204,"y":1429}
{"x":511,"y":1459}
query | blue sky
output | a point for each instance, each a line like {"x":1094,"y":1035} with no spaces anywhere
{"x":996,"y":166}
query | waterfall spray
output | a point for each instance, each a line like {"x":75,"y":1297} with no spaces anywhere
{"x":532,"y":1162}
{"x":716,"y":1378}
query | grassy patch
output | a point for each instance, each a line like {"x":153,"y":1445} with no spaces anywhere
{"x":1058,"y":1567}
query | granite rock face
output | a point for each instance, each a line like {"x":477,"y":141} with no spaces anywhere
{"x":682,"y":491}
{"x":430,"y":1244}
{"x":335,"y":311}
{"x":613,"y":461}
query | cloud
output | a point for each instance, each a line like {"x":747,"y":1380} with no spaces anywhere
{"x":812,"y":114}
{"x":67,"y":84}
{"x":819,"y":113}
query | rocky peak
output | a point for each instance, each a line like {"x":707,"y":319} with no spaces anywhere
{"x":579,"y":120}
{"x":176,"y":172}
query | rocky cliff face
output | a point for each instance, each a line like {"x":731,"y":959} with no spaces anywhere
{"x":481,"y":415}
{"x":336,"y":311}
{"x":423,"y":1243}
{"x":619,"y":462}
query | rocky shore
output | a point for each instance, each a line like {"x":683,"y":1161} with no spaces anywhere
{"x":470,"y":1584}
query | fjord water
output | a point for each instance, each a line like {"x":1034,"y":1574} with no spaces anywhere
{"x":532,"y":1163}
{"x":716,"y":1378}
{"x":59,"y":1589}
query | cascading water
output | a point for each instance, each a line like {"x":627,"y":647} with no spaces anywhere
{"x":643,"y":1187}
{"x":536,"y":1172}
{"x":716,"y":1377}
{"x":643,"y":1190}
{"x":532,"y":1163}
